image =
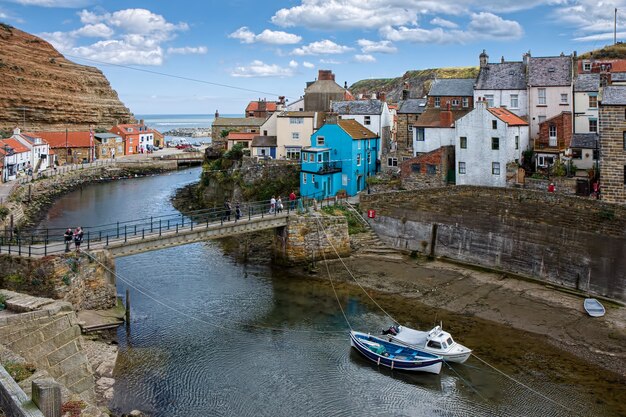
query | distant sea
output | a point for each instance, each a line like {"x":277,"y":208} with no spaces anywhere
{"x":165,"y":122}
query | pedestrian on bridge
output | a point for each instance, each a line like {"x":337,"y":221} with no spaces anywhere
{"x":279,"y":205}
{"x":67,"y":237}
{"x":292,"y":200}
{"x":272,"y":205}
{"x":227,"y":210}
{"x":237,"y":211}
{"x":78,"y":238}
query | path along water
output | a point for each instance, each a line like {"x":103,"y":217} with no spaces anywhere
{"x":247,"y":340}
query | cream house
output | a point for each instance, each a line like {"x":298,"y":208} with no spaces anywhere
{"x":293,"y":131}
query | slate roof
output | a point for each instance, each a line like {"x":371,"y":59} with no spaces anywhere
{"x":614,"y":95}
{"x":106,"y":136}
{"x":358,"y":107}
{"x":452,"y":87}
{"x":432,"y":117}
{"x":507,"y":116}
{"x":264,"y":141}
{"x":297,"y":114}
{"x":550,"y":71}
{"x":584,"y":140}
{"x":587,"y":82}
{"x":355,"y":129}
{"x":618,"y":76}
{"x":502,"y":76}
{"x":239,"y":121}
{"x":412,"y":106}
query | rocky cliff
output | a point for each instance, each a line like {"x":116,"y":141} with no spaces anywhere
{"x":40,"y":89}
{"x":418,"y":82}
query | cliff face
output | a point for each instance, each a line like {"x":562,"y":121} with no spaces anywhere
{"x":56,"y":93}
{"x":418,"y":82}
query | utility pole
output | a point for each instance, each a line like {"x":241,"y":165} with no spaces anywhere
{"x":615,"y":28}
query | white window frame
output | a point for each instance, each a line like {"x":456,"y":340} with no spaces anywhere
{"x":455,"y":102}
{"x":514,"y":101}
{"x":462,"y":142}
{"x":296,"y":120}
{"x":304,"y":178}
{"x":369,"y":157}
{"x":418,"y":136}
{"x":489,"y":99}
{"x":312,"y":178}
{"x":367,"y":120}
{"x":320,"y":141}
{"x":358,"y":159}
{"x":564,"y":98}
{"x":392,"y":162}
{"x":541,"y":96}
{"x":437,"y":101}
{"x":586,"y":66}
{"x":465,"y":101}
{"x":495,"y":168}
{"x":462,"y":168}
{"x":295,"y":136}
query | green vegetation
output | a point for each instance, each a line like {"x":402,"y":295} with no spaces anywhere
{"x":235,"y":153}
{"x":19,"y":371}
{"x":606,"y":213}
{"x":354,"y":224}
{"x":608,"y":52}
{"x":4,"y":212}
{"x":3,"y":302}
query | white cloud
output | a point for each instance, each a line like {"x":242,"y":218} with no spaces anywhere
{"x":437,"y":21}
{"x":144,"y":22}
{"x":307,"y":64}
{"x":330,"y":61}
{"x":592,"y":20}
{"x":273,"y":37}
{"x":98,"y":30}
{"x":320,"y":48}
{"x":364,"y":58}
{"x":293,"y":64}
{"x":384,"y":47}
{"x":260,"y":69}
{"x":188,"y":50}
{"x":121,"y":52}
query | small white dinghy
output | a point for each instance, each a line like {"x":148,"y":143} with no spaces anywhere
{"x":593,"y":307}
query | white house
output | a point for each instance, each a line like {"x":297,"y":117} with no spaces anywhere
{"x":146,"y":137}
{"x":549,"y":88}
{"x":435,"y":128}
{"x":17,"y":158}
{"x":40,"y":158}
{"x":487,"y":139}
{"x":502,"y":84}
{"x":586,"y":87}
{"x":293,"y":131}
{"x":374,"y":114}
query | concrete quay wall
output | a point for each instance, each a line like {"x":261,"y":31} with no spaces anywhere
{"x":575,"y":242}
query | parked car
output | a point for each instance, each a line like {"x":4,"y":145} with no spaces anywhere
{"x":183,"y":146}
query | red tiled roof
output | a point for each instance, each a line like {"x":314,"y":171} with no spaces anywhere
{"x":14,"y":144}
{"x":66,"y":139}
{"x":254,"y":106}
{"x":241,"y":136}
{"x":507,"y":116}
{"x":433,"y":118}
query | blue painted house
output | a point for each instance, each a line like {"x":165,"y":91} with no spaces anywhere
{"x":341,"y":157}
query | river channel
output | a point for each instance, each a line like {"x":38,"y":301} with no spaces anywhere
{"x":211,"y":336}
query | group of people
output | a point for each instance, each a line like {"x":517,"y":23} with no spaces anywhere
{"x":228,"y":209}
{"x":276,"y":204}
{"x":76,"y":236}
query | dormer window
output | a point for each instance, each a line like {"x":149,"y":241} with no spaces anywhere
{"x":586,"y":66}
{"x":550,"y":69}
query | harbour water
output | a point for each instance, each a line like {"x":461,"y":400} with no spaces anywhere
{"x":170,"y":122}
{"x":210,"y":336}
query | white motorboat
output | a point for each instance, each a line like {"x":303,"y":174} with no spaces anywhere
{"x":436,"y":341}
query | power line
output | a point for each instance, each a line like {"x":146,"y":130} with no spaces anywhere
{"x":179,"y":77}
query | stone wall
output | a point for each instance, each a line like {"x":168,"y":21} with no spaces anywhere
{"x":612,"y":154}
{"x":427,"y":170}
{"x":311,"y":238}
{"x":13,"y":401}
{"x":562,"y":185}
{"x":571,"y":241}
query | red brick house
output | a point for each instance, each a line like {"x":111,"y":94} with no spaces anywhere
{"x":71,"y":147}
{"x":555,"y":137}
{"x":263,"y":108}
{"x":428,"y":170}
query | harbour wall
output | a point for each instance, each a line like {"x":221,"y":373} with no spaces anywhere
{"x":570,"y":241}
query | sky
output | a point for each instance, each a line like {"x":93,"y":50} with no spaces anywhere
{"x":196,"y":57}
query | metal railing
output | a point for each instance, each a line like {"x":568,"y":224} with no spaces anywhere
{"x":43,"y":242}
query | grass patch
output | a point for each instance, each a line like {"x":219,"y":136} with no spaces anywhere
{"x":19,"y":371}
{"x":354,"y":223}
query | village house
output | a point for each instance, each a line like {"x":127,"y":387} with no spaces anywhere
{"x":409,"y":110}
{"x":428,"y":170}
{"x":554,"y":140}
{"x":584,"y":150}
{"x":264,"y":147}
{"x":222,"y":126}
{"x":341,"y":157}
{"x":320,"y":93}
{"x":293,"y":132}
{"x":586,"y":87}
{"x":374,"y":114}
{"x":40,"y":157}
{"x":239,"y":138}
{"x":502,"y":84}
{"x":488,"y":139}
{"x":108,"y":145}
{"x":263,"y":108}
{"x":70,"y":147}
{"x":137,"y":137}
{"x":16,"y":160}
{"x":549,"y":88}
{"x":613,"y":143}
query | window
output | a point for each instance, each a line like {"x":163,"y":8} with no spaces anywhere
{"x":494,"y":124}
{"x":295,"y":136}
{"x":304,"y":178}
{"x":489,"y":99}
{"x":465,"y":102}
{"x":320,"y":140}
{"x":587,"y":66}
{"x":311,"y":157}
{"x":358,"y":159}
{"x":369,"y":158}
{"x":495,"y":168}
{"x":593,"y":102}
{"x":293,"y":154}
{"x":461,"y":167}
{"x":419,"y":134}
{"x":577,"y":154}
{"x":296,"y":120}
{"x":455,"y":102}
{"x":541,"y":96}
{"x":416,"y":168}
{"x":392,"y":162}
{"x":552,"y":131}
{"x":593,"y":125}
{"x":431,"y":169}
{"x":410,"y":128}
{"x":367,"y":120}
{"x":319,"y":157}
{"x":312,"y":178}
{"x":463,"y":142}
{"x":358,"y":145}
{"x":437,"y":101}
{"x":564,"y":98}
{"x":516,"y":142}
{"x":495,"y":144}
{"x":514,"y":101}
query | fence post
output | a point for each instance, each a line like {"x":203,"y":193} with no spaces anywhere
{"x":176,"y":228}
{"x":88,"y":240}
{"x":118,"y":230}
{"x":159,"y":227}
{"x":168,"y":224}
{"x":150,"y":224}
{"x":143,"y":233}
{"x":107,"y":240}
{"x":99,"y":235}
{"x":125,"y":235}
{"x":135,"y":233}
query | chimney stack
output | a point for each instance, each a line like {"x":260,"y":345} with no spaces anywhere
{"x":445,"y":117}
{"x":326,"y":75}
{"x":382,"y":96}
{"x":141,"y":122}
{"x":217,"y":114}
{"x":502,"y":59}
{"x":484,"y":59}
{"x":481,"y":103}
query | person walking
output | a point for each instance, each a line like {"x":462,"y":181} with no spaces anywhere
{"x":78,"y":238}
{"x":551,"y":188}
{"x":292,"y":200}
{"x":67,"y":237}
{"x":272,"y":205}
{"x":237,"y":211}
{"x":279,"y":205}
{"x":227,"y":210}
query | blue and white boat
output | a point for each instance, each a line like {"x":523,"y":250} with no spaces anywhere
{"x":593,"y":307}
{"x":436,"y":341}
{"x":394,"y":356}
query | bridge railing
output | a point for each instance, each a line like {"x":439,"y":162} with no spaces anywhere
{"x":43,"y":242}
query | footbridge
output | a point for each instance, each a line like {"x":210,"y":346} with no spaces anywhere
{"x":147,"y":234}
